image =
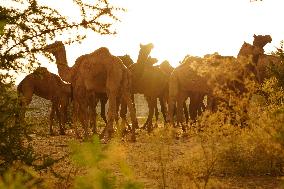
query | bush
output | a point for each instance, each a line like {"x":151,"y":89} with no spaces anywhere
{"x":104,"y":164}
{"x":13,"y":136}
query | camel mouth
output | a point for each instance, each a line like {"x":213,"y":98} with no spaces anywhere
{"x":51,"y":48}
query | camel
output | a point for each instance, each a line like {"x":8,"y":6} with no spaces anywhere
{"x":49,"y":86}
{"x":127,"y":61}
{"x":148,"y":80}
{"x":264,"y":63}
{"x":166,"y":67}
{"x":187,"y":79}
{"x":196,"y":104}
{"x":183,"y":80}
{"x":97,"y":72}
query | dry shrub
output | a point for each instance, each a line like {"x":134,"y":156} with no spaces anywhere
{"x":246,"y":134}
{"x":243,"y":137}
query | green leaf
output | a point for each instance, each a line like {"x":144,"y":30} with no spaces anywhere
{"x":3,"y":22}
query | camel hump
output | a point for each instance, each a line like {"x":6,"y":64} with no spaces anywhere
{"x":126,"y":60}
{"x":102,"y":51}
{"x":41,"y":70}
{"x":166,"y":67}
{"x":248,"y":49}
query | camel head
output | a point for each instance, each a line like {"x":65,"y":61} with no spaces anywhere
{"x":261,"y":40}
{"x":151,"y":61}
{"x":55,"y":48}
{"x":144,"y":52}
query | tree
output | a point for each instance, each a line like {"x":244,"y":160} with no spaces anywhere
{"x":29,"y":25}
{"x":25,"y":28}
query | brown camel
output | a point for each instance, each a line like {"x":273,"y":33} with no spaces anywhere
{"x":148,"y":80}
{"x":49,"y":86}
{"x":127,"y":61}
{"x":197,"y":77}
{"x":97,"y":72}
{"x":184,"y":80}
{"x":166,"y":67}
{"x":264,"y":63}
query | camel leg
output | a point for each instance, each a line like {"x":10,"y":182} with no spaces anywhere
{"x":51,"y":118}
{"x":122,"y":114}
{"x":172,"y":105}
{"x":76,"y":114}
{"x":59,"y":111}
{"x":156,"y":113}
{"x":152,"y":102}
{"x":131,"y":106}
{"x":195,"y":106}
{"x":63,"y":117}
{"x":186,"y":114}
{"x":93,"y":115}
{"x":163,"y":109}
{"x":84,"y":117}
{"x":149,"y":118}
{"x":118,"y":106}
{"x":25,"y":98}
{"x":103,"y":102}
{"x":111,"y":115}
{"x":181,"y":98}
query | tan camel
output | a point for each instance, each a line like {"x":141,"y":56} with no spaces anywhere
{"x":148,"y":80}
{"x":97,"y":72}
{"x":49,"y":86}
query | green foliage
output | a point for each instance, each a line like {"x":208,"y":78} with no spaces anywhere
{"x":277,"y":70}
{"x":20,"y":176}
{"x":13,"y":137}
{"x":101,"y":163}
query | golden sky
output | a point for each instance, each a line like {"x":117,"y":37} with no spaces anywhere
{"x":181,"y":27}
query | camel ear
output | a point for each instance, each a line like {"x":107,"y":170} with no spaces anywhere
{"x":254,"y":35}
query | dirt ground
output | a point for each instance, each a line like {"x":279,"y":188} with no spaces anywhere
{"x":144,"y":158}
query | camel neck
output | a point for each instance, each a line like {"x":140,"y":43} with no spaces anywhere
{"x":64,"y":71}
{"x":61,"y":59}
{"x":142,"y":57}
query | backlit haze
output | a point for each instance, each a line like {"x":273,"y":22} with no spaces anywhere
{"x":181,"y":27}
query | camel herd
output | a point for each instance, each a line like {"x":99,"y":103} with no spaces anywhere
{"x":101,"y":76}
